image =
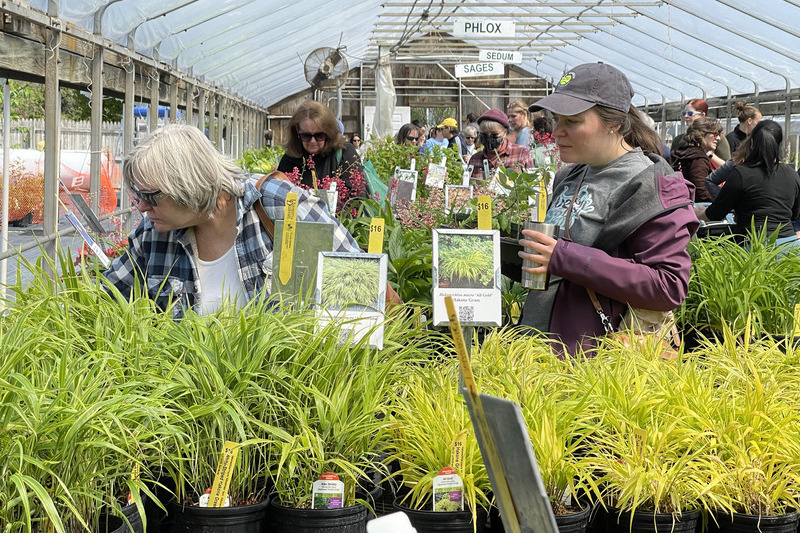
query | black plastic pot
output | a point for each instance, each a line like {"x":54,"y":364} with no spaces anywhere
{"x":115,"y":524}
{"x":283,"y":519}
{"x":748,"y":523}
{"x":239,"y":519}
{"x":450,"y":521}
{"x":647,"y":522}
{"x":568,"y":523}
{"x":574,"y":522}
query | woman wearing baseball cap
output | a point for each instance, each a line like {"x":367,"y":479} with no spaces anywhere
{"x":625,"y":217}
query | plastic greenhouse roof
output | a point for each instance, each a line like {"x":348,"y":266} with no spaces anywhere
{"x":670,"y":50}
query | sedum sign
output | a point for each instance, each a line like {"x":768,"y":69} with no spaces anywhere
{"x":503,"y":56}
{"x":471,"y":70}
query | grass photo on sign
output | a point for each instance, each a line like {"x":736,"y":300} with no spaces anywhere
{"x":349,"y":281}
{"x":466,"y":261}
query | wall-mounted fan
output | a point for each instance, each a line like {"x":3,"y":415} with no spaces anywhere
{"x":326,"y":68}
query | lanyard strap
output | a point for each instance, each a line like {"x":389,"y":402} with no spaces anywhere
{"x":604,"y":318}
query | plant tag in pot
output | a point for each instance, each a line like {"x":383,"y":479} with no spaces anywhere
{"x":448,"y":491}
{"x":437,"y":174}
{"x":207,"y":496}
{"x":328,"y":492}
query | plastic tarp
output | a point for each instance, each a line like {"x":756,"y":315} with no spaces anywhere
{"x":670,"y":50}
{"x":26,"y":181}
{"x":385,"y":100}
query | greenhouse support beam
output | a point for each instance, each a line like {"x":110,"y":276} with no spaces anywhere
{"x":52,"y":134}
{"x":4,"y":215}
{"x":96,"y":135}
{"x":487,"y":106}
{"x":128,"y":125}
{"x":153,"y":83}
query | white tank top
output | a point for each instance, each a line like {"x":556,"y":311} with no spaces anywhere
{"x":220,"y":284}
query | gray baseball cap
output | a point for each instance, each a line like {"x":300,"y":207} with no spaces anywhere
{"x":585,"y":86}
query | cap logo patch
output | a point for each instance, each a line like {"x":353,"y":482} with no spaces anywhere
{"x":566,"y":78}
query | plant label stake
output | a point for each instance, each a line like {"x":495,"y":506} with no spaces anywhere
{"x":796,"y":323}
{"x":287,"y":243}
{"x":98,"y":251}
{"x":541,"y":203}
{"x":376,"y":227}
{"x":485,"y":212}
{"x":222,"y":479}
{"x":506,"y":449}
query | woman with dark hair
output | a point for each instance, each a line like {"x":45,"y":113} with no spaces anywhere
{"x":760,"y":190}
{"x":748,"y":118}
{"x":317,"y":150}
{"x":693,"y":110}
{"x":625,"y":217}
{"x":407,"y":134}
{"x":693,"y":155}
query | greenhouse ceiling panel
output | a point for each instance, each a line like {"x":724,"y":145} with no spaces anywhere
{"x":670,"y":50}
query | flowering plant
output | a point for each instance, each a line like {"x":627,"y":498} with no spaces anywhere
{"x":355,"y":186}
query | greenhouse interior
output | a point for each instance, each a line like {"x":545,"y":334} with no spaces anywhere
{"x":400,"y":266}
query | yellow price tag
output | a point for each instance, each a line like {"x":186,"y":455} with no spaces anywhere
{"x":541,"y":204}
{"x":377,"y":228}
{"x":639,"y":438}
{"x":485,"y":212}
{"x":287,"y":242}
{"x":457,"y":452}
{"x":222,"y":480}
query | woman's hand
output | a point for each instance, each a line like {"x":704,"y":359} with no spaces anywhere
{"x":700,"y":213}
{"x":542,"y":246}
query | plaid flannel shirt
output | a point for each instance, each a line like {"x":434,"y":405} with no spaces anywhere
{"x":512,"y":156}
{"x":164,"y":262}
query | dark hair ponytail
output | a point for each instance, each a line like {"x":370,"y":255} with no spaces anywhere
{"x":632,"y":128}
{"x":763,"y":147}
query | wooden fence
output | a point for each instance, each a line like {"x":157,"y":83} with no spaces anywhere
{"x":75,"y":135}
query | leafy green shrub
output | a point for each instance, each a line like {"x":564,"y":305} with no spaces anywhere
{"x":261,"y":161}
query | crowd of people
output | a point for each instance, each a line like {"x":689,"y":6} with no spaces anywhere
{"x":626,"y":204}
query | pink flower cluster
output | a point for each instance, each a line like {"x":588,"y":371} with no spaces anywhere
{"x":425,"y":212}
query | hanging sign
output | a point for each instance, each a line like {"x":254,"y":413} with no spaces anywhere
{"x":475,"y":27}
{"x":472,"y":70}
{"x":503,"y":56}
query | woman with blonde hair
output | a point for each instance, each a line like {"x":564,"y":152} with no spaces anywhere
{"x":517,"y":113}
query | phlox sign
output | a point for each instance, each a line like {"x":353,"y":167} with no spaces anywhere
{"x":483,"y":28}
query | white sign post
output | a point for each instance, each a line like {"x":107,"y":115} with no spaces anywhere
{"x":503,"y":56}
{"x":471,"y":70}
{"x":483,"y":28}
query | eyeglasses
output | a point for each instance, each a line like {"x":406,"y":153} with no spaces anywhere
{"x":148,"y":196}
{"x":320,"y":136}
{"x":356,"y":140}
{"x":687,"y":113}
{"x":411,"y":138}
{"x":469,"y":136}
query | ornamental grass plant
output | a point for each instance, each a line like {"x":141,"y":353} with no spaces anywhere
{"x":731,"y":281}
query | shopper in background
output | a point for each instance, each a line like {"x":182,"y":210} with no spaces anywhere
{"x":436,"y":138}
{"x":470,"y":136}
{"x":748,"y":118}
{"x":760,"y":190}
{"x":497,"y":149}
{"x":625,"y":217}
{"x":355,"y":140}
{"x":407,"y":134}
{"x":518,"y":120}
{"x":692,"y":157}
{"x":316,"y":150}
{"x":201,"y":243}
{"x":693,"y":110}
